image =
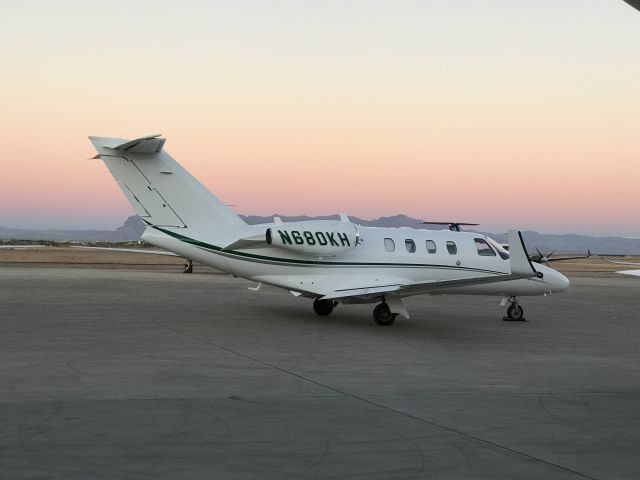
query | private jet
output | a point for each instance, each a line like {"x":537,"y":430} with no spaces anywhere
{"x":546,"y":257}
{"x":332,"y":262}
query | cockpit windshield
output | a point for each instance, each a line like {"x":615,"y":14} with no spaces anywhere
{"x":499,"y":248}
{"x":483,"y":248}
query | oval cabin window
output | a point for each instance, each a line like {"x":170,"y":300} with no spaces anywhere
{"x":389,"y":244}
{"x":410,"y":245}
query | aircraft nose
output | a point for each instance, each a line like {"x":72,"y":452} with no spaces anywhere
{"x":557,"y":281}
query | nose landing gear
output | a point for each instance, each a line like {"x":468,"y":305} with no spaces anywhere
{"x":515,"y":313}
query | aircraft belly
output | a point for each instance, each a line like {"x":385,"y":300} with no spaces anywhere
{"x":521,"y":287}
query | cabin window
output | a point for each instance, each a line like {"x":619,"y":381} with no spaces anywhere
{"x":389,"y":244}
{"x":452,"y":248}
{"x":431,"y":246}
{"x":499,"y":248}
{"x":484,"y":249}
{"x":410,"y":245}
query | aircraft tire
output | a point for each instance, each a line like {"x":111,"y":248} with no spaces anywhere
{"x":382,"y":315}
{"x":515,"y":312}
{"x":322,"y":307}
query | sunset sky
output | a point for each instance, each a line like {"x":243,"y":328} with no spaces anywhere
{"x":507,"y":113}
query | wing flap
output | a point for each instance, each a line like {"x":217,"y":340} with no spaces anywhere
{"x":415,"y":287}
{"x":373,"y":290}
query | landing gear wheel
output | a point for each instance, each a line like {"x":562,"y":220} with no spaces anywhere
{"x":515,"y":312}
{"x":188,"y":267}
{"x":382,"y":315}
{"x":323,"y":307}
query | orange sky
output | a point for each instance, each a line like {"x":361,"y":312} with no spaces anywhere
{"x":511,"y":116}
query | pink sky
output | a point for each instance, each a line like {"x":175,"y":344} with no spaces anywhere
{"x":504,"y":116}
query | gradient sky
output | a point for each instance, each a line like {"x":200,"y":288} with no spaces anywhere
{"x":507,"y":113}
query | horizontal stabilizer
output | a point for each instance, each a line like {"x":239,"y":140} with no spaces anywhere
{"x":148,"y":144}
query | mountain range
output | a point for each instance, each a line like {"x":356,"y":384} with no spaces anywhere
{"x":132,"y":229}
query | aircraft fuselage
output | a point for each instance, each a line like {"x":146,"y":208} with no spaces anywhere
{"x":311,"y":273}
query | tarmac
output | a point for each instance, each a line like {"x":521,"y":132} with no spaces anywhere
{"x":152,"y":374}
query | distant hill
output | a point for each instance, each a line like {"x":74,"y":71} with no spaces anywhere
{"x":394,"y":221}
{"x":571,"y":243}
{"x":131,"y":230}
{"x":133,"y":227}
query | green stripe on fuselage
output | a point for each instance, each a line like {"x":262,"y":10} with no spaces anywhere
{"x":295,"y":262}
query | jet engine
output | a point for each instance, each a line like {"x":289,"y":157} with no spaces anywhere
{"x":316,"y":237}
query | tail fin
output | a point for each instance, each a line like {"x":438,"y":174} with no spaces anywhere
{"x":160,"y":190}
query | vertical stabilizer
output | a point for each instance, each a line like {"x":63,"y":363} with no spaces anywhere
{"x":159,"y":189}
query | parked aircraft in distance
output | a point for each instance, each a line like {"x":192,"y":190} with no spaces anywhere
{"x":546,"y":258}
{"x":333,"y":262}
{"x":635,"y":273}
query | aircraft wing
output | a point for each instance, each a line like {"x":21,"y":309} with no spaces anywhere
{"x":554,"y":259}
{"x":418,"y":287}
{"x":621,"y":263}
{"x":520,"y":267}
{"x":635,"y":273}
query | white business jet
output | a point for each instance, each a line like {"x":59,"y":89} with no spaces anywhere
{"x":332,"y":262}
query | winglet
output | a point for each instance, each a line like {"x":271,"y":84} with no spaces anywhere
{"x":518,"y":258}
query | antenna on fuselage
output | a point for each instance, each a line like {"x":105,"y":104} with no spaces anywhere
{"x":453,"y":226}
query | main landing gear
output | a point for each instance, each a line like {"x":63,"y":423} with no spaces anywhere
{"x":382,"y":315}
{"x":515,"y":313}
{"x":323,"y":307}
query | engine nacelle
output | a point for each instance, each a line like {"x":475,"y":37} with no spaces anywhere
{"x":316,"y":237}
